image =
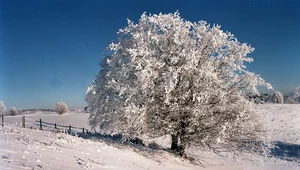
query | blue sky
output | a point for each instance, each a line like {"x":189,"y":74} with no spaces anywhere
{"x":50,"y":50}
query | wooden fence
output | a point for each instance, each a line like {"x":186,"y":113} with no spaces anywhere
{"x":42,"y":124}
{"x":72,"y":130}
{"x":55,"y":126}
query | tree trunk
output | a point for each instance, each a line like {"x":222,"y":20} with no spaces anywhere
{"x":181,"y":151}
{"x":178,"y":148}
{"x":174,"y":145}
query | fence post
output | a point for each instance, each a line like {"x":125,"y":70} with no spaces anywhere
{"x":41,"y":128}
{"x":23,"y":121}
{"x":55,"y":125}
{"x":2,"y":116}
{"x":70,"y":129}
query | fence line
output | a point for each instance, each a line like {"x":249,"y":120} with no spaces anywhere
{"x":53,"y":124}
{"x":57,"y":126}
{"x":42,"y":124}
{"x":84,"y":133}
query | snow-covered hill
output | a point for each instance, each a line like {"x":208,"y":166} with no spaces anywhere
{"x":282,"y":121}
{"x":34,"y":149}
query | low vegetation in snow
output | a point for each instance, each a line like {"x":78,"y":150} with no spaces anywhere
{"x":61,"y":108}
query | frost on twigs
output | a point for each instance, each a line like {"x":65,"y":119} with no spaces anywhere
{"x":167,"y":75}
{"x":61,"y":108}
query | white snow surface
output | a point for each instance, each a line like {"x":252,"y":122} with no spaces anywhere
{"x":282,"y":121}
{"x":25,"y":148}
{"x":75,"y":119}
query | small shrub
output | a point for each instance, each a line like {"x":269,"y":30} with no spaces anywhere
{"x":61,"y":108}
{"x":12,"y":111}
{"x":277,"y":97}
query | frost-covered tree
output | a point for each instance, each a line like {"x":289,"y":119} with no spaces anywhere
{"x":12,"y":111}
{"x":2,"y":108}
{"x":105,"y":103}
{"x":277,"y":97}
{"x":167,"y":75}
{"x":61,"y":108}
{"x":294,"y":96}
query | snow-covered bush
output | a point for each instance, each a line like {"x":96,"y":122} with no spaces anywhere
{"x":61,"y":108}
{"x":12,"y":111}
{"x":294,"y":96}
{"x":277,"y":97}
{"x":2,"y":108}
{"x":167,"y":75}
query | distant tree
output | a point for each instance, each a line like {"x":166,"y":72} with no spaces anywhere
{"x":2,"y":107}
{"x":61,"y":108}
{"x":12,"y":111}
{"x":277,"y":97}
{"x":294,"y":96}
{"x":167,"y":75}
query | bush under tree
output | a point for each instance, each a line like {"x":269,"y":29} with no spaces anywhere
{"x":61,"y":108}
{"x":166,"y":75}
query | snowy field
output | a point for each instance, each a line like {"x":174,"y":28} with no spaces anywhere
{"x":79,"y":120}
{"x":34,"y":149}
{"x":282,"y":121}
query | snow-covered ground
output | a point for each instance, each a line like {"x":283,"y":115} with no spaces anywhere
{"x":34,"y":149}
{"x":75,"y":119}
{"x":282,"y":121}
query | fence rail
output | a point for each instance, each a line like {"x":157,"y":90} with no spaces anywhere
{"x":57,"y":126}
{"x":72,"y":130}
{"x":42,"y":124}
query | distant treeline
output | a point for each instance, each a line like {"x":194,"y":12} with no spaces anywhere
{"x":264,"y":98}
{"x":34,"y":110}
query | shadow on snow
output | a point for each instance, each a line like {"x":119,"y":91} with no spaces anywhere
{"x":286,"y":151}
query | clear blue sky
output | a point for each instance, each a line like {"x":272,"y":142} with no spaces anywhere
{"x":50,"y":49}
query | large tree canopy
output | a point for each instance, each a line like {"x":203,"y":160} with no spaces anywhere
{"x":167,"y":75}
